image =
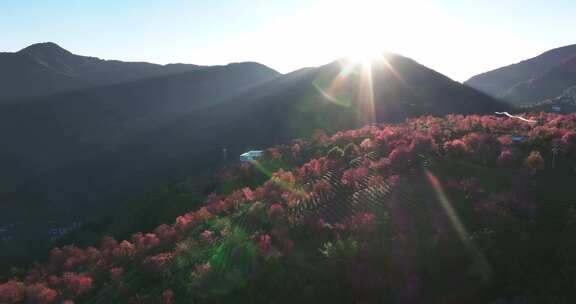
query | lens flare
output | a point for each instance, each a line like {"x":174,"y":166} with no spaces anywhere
{"x":480,"y":261}
{"x":366,"y":93}
{"x":278,"y":181}
{"x":352,"y":88}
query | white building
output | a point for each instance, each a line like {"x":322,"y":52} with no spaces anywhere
{"x":250,"y":155}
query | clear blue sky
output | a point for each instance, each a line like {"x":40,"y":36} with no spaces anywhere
{"x":456,"y":37}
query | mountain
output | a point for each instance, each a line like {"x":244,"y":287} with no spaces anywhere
{"x":343,"y":95}
{"x":388,"y":213}
{"x":89,"y":151}
{"x":46,"y":68}
{"x":533,"y":80}
{"x":67,"y":157}
{"x":565,"y":103}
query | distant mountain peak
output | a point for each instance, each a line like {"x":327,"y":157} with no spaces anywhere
{"x":532,"y":80}
{"x":45,"y":48}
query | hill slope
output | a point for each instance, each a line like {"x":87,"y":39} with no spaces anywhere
{"x":533,"y":80}
{"x":336,"y":97}
{"x":59,"y":158}
{"x":565,"y":103}
{"x":452,"y":210}
{"x":46,"y":68}
{"x":90,"y":150}
{"x":549,"y":85}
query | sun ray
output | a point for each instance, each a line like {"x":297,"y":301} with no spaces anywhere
{"x":366,"y":93}
{"x":296,"y":189}
{"x":481,"y":263}
{"x":384,"y":60}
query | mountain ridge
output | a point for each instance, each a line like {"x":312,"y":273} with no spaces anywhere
{"x":531,"y":80}
{"x":46,"y":68}
{"x":152,"y":132}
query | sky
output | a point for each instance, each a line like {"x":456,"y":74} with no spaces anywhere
{"x":459,"y":38}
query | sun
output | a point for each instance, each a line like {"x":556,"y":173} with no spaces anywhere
{"x":365,"y":55}
{"x":364,"y":36}
{"x":365,"y":49}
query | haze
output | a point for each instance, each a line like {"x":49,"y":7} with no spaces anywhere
{"x":457,"y":38}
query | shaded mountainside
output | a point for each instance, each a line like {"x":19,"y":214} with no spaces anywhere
{"x":543,"y":77}
{"x":433,"y":210}
{"x":60,"y":160}
{"x":565,"y":103}
{"x":339,"y":96}
{"x":90,"y":150}
{"x":52,"y":132}
{"x":46,"y":68}
{"x":548,"y":85}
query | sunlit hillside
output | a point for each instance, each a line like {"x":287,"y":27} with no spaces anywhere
{"x":461,"y":209}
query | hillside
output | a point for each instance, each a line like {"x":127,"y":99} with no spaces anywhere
{"x":549,"y":85}
{"x":79,"y":155}
{"x":47,"y":68}
{"x":564,"y":104}
{"x":66,"y":158}
{"x":533,"y":80}
{"x":462,"y":209}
